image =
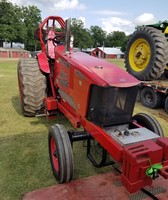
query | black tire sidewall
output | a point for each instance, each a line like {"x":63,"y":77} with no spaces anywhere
{"x":64,"y":153}
{"x":157,"y":100}
{"x":166,"y":104}
{"x":149,"y":122}
{"x":58,"y":141}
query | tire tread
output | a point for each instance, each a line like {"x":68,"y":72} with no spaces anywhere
{"x":33,"y":85}
{"x":159,"y":59}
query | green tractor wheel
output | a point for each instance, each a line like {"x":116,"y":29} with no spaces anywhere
{"x":147,"y":53}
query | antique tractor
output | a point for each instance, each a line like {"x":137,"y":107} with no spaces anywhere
{"x":98,"y":99}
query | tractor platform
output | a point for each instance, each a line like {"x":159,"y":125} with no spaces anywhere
{"x":100,"y":187}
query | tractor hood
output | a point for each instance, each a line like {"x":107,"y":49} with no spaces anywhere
{"x":102,"y":72}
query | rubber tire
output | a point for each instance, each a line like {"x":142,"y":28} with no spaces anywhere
{"x":156,"y":98}
{"x":166,"y":104}
{"x":149,"y":122}
{"x":158,"y":49}
{"x":165,"y":74}
{"x":32,"y":86}
{"x":64,"y":173}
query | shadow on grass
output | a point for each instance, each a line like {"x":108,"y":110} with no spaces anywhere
{"x":59,"y":118}
{"x":16,"y":104}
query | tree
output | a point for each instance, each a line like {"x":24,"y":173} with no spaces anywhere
{"x":98,"y":35}
{"x":123,"y":47}
{"x":31,"y":18}
{"x":19,"y":26}
{"x":116,"y":39}
{"x":82,"y":36}
{"x":12,"y":26}
{"x":6,"y":22}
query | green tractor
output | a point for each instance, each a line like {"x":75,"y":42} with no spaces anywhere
{"x":146,"y":55}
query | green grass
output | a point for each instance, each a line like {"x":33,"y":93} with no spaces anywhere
{"x":24,"y":159}
{"x":118,"y":62}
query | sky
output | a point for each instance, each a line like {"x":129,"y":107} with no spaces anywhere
{"x":110,"y":15}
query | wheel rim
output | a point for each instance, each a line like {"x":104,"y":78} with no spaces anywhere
{"x":54,"y":154}
{"x":149,"y":97}
{"x":139,"y":55}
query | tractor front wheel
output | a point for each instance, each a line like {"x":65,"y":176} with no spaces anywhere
{"x":149,"y":122}
{"x":60,"y":151}
{"x":32,"y":86}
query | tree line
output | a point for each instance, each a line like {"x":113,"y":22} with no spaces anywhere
{"x":17,"y":24}
{"x":96,"y":36}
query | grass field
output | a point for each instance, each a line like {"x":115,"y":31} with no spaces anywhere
{"x":24,"y":160}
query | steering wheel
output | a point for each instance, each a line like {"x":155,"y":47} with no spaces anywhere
{"x":58,"y":37}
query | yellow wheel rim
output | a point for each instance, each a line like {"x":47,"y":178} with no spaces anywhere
{"x":139,"y":55}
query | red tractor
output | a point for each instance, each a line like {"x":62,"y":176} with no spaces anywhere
{"x":97,"y":96}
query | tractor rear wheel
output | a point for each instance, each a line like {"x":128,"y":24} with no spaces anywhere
{"x":60,"y":151}
{"x":149,"y":122}
{"x":150,"y":98}
{"x":32,"y":86}
{"x":146,"y":54}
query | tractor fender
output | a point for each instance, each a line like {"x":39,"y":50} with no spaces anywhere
{"x":43,"y":62}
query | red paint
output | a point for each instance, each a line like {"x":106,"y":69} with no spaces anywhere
{"x":164,"y":171}
{"x":50,"y":44}
{"x":76,"y":72}
{"x":100,"y":186}
{"x":136,"y":124}
{"x":100,"y":71}
{"x":45,"y":24}
{"x":114,"y":149}
{"x":74,"y":75}
{"x":4,"y":54}
{"x":71,"y":76}
{"x":54,"y":154}
{"x":136,"y":160}
{"x":163,"y":142}
{"x":52,"y":86}
{"x":43,"y":62}
{"x":50,"y":103}
{"x":69,"y":113}
{"x":10,"y":53}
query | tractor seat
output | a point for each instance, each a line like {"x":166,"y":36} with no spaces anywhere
{"x":50,"y":44}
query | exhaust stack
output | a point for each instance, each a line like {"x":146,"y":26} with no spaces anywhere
{"x":67,"y":34}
